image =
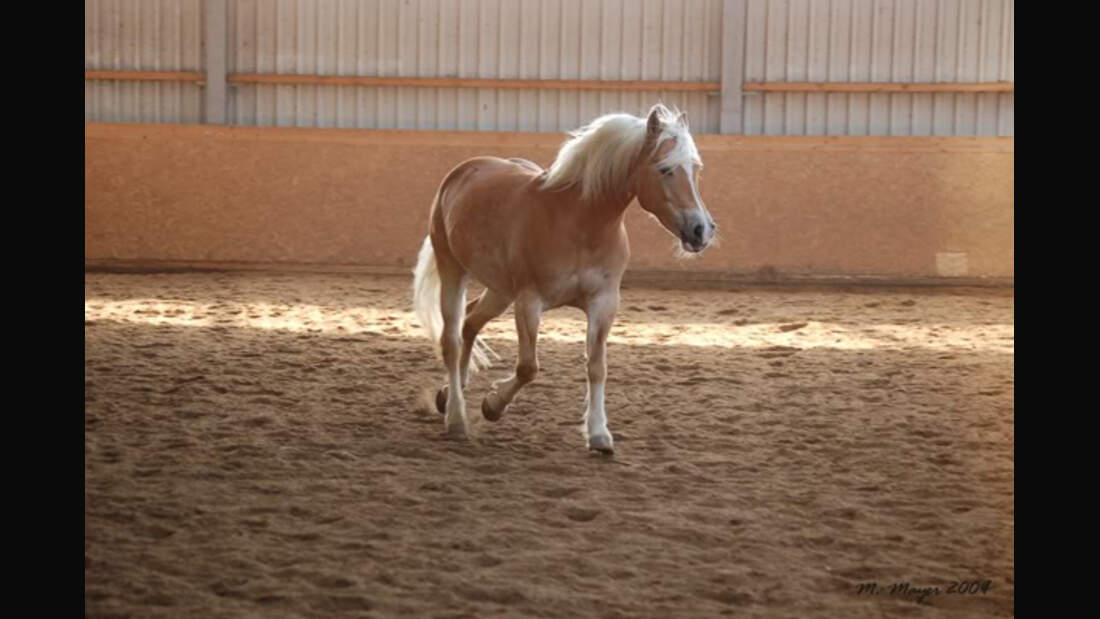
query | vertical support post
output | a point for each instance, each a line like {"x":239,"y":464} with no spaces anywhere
{"x":733,"y":65}
{"x":214,"y":17}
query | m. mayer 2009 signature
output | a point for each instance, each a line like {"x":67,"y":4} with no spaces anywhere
{"x":904,"y":589}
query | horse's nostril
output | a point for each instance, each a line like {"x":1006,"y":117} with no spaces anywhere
{"x":699,"y":232}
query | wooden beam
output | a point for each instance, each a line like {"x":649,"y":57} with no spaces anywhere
{"x":465,"y":82}
{"x":877,"y":87}
{"x":144,"y":76}
{"x":513,"y":140}
{"x":513,"y":84}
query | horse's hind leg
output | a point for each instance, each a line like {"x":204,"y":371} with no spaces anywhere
{"x":452,"y":298}
{"x":490,"y":305}
{"x":478,"y":313}
{"x":528,"y":311}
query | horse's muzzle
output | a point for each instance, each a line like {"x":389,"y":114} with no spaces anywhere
{"x":696,"y":236}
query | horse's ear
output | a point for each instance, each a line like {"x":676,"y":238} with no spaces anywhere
{"x":653,"y":124}
{"x":683,"y":119}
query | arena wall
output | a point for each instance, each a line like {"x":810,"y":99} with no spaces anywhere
{"x":788,"y":207}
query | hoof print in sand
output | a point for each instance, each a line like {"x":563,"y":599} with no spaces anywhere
{"x":580,"y":514}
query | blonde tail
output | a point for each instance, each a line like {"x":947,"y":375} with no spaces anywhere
{"x":426,"y":293}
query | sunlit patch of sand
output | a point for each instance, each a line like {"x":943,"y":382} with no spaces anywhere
{"x":253,"y":315}
{"x":557,"y":327}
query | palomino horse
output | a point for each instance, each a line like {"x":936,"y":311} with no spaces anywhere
{"x":546,"y":239}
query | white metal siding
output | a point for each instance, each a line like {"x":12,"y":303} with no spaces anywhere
{"x":879,"y":41}
{"x":548,"y":39}
{"x":149,"y":35}
{"x":667,"y":40}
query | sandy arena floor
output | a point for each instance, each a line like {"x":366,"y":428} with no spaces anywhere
{"x":258,"y":445}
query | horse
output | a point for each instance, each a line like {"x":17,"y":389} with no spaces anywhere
{"x":543,"y":239}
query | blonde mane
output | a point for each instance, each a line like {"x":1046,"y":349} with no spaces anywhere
{"x":599,"y":155}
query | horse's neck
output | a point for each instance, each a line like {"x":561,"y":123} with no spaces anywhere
{"x":606,"y":214}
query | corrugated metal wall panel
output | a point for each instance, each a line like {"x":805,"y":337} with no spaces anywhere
{"x":154,"y":35}
{"x":785,"y":40}
{"x":544,"y":39}
{"x":879,"y":41}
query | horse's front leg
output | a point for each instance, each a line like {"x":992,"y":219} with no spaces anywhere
{"x":601,"y":313}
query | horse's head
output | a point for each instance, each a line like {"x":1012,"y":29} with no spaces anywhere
{"x":666,"y":180}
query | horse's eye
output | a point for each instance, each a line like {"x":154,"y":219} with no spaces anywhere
{"x":665,"y":171}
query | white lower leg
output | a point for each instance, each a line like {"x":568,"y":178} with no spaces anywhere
{"x":455,"y":417}
{"x":452,"y":301}
{"x":601,"y":312}
{"x":595,"y":419}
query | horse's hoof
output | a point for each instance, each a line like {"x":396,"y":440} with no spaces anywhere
{"x":602,"y":444}
{"x":487,"y":411}
{"x":458,"y":430}
{"x":441,"y":400}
